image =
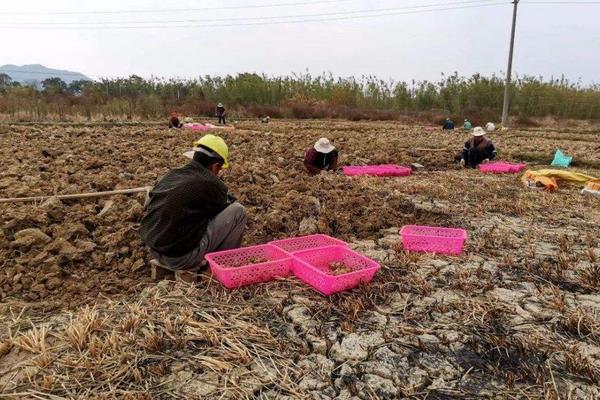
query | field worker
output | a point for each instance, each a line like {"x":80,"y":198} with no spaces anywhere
{"x":467,"y":126}
{"x":448,"y":124}
{"x":174,"y":121}
{"x":478,"y":149}
{"x":321,"y":157}
{"x":490,"y":127}
{"x":221,"y":113}
{"x":189,"y":212}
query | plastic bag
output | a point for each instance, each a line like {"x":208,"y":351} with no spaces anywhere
{"x":592,"y":187}
{"x":561,"y":159}
{"x":548,"y":179}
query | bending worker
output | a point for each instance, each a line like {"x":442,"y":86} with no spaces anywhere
{"x":321,"y":157}
{"x":189,"y":212}
{"x":221,"y":113}
{"x":174,"y":121}
{"x":448,"y":124}
{"x":467,"y":126}
{"x":478,"y":149}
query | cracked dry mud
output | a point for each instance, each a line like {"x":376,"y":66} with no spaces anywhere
{"x":515,"y":316}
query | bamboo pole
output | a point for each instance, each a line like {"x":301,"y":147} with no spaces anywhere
{"x":77,"y":195}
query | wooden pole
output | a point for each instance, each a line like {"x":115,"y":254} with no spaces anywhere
{"x":77,"y":195}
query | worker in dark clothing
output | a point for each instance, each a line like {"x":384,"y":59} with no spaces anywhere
{"x":477,"y":150}
{"x":189,"y":212}
{"x":448,"y":124}
{"x":221,"y":113}
{"x":174,"y":121}
{"x":321,"y":157}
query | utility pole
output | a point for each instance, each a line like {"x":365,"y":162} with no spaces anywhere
{"x":509,"y":69}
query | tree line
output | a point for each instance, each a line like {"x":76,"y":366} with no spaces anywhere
{"x":295,"y":96}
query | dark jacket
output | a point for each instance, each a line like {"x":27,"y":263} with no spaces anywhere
{"x":180,"y":207}
{"x":174,"y":123}
{"x":474,"y":155}
{"x":220,"y":111}
{"x":448,"y":125}
{"x":315,"y":161}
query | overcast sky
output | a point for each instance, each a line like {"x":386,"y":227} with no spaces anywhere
{"x":551,"y":39}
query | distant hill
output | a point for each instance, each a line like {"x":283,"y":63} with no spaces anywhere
{"x":35,"y":73}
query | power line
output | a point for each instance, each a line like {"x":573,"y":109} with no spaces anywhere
{"x":380,"y":10}
{"x":561,"y":2}
{"x":272,"y":5}
{"x":341,"y":18}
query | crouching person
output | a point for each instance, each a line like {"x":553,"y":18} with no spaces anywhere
{"x":189,"y":212}
{"x":174,"y":121}
{"x":478,"y":149}
{"x":321,"y":157}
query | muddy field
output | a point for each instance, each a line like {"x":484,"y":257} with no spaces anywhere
{"x":516,"y":316}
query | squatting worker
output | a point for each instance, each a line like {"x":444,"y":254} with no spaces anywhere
{"x":448,"y":124}
{"x":189,"y":212}
{"x":174,"y":121}
{"x":478,"y":149}
{"x":321,"y":157}
{"x":467,"y":126}
{"x":221,"y":113}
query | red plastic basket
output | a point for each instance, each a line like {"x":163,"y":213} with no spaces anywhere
{"x":377,"y":170}
{"x":307,"y":242}
{"x":431,"y":239}
{"x":239,"y":267}
{"x":312,"y":267}
{"x":501,"y":167}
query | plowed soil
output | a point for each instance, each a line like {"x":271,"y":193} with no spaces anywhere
{"x":515,"y":316}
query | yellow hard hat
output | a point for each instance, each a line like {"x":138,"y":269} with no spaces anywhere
{"x":216,"y":144}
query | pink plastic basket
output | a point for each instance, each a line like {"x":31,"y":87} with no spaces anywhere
{"x":377,"y":170}
{"x":196,"y":127}
{"x":431,"y":239}
{"x":235,"y":268}
{"x":501,"y":167}
{"x":307,"y":242}
{"x":312,"y":266}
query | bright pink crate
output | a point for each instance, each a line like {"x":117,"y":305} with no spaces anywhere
{"x":235,"y":268}
{"x":377,"y":170}
{"x":431,"y":239}
{"x":501,"y":167}
{"x":311,"y":267}
{"x":307,"y":242}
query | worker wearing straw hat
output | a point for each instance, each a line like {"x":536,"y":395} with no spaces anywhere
{"x":221,"y":113}
{"x":478,"y":149}
{"x":190,"y":213}
{"x":323,"y":156}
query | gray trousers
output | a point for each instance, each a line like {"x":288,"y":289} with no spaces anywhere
{"x":225,"y":231}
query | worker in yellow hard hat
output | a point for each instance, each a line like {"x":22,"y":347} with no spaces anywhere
{"x":190,"y":212}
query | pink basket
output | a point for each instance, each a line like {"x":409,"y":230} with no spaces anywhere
{"x":307,"y":242}
{"x":501,"y":167}
{"x":312,"y":267}
{"x":431,"y":239}
{"x":377,"y":170}
{"x":196,"y":127}
{"x":235,"y":268}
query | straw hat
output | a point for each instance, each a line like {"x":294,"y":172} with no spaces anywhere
{"x":323,"y":145}
{"x":220,"y":105}
{"x":478,"y":131}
